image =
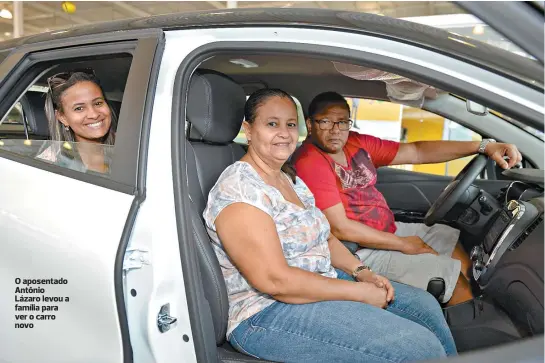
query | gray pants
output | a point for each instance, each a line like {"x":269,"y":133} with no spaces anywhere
{"x":417,"y":270}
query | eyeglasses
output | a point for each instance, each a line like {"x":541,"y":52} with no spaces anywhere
{"x":326,"y":124}
{"x":61,"y":78}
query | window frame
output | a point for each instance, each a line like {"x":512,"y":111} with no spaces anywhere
{"x":20,"y":69}
{"x":4,"y":54}
{"x":14,"y":127}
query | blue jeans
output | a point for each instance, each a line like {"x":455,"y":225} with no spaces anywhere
{"x":411,"y":328}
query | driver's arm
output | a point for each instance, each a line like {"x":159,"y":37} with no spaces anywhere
{"x":365,"y":236}
{"x":427,"y":152}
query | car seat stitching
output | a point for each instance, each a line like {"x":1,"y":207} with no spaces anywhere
{"x":208,"y":121}
{"x":199,"y":178}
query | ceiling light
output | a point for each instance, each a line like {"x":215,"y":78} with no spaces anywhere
{"x":68,"y":7}
{"x":6,"y":14}
{"x":244,"y":63}
{"x":478,"y":29}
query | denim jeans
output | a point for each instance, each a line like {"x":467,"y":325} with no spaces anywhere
{"x":411,"y":328}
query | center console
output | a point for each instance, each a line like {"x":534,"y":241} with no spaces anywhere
{"x":508,"y":269}
{"x":507,"y":231}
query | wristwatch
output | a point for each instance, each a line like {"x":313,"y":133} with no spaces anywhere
{"x":359,"y":269}
{"x":482,"y":145}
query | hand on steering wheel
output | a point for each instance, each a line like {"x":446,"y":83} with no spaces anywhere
{"x":498,"y":151}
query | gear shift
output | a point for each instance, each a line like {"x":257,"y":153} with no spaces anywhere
{"x":436,"y":287}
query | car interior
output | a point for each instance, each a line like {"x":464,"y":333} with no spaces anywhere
{"x":500,"y":216}
{"x":507,"y":267}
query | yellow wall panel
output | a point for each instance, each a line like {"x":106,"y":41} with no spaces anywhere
{"x":428,"y":129}
{"x":377,"y":110}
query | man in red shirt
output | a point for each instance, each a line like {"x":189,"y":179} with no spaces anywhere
{"x":339,"y":167}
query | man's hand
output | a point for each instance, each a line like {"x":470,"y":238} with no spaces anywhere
{"x":497,"y":150}
{"x":379,"y":281}
{"x":413,"y":245}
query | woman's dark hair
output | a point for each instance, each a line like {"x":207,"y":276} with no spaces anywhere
{"x":58,"y":84}
{"x":325,"y":100}
{"x":257,"y":99}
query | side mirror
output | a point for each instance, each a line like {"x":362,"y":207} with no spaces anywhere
{"x":476,"y":109}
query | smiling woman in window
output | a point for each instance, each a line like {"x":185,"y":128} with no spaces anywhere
{"x":81,"y":122}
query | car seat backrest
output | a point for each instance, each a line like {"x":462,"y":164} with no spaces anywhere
{"x":215,"y":110}
{"x":33,"y":104}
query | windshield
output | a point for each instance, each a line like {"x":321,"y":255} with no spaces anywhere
{"x":528,"y":129}
{"x":469,"y":26}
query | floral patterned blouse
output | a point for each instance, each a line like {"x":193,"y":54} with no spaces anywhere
{"x":303,"y":234}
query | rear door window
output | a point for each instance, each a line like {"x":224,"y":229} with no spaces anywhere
{"x":28,"y":131}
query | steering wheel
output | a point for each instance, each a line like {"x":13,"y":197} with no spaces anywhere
{"x":455,"y":189}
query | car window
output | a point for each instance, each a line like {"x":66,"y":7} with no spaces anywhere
{"x":83,"y":134}
{"x":396,"y":122}
{"x":471,"y":27}
{"x":13,"y":121}
{"x":528,"y":129}
{"x":4,"y":55}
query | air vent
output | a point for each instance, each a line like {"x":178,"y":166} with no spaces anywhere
{"x":526,"y":233}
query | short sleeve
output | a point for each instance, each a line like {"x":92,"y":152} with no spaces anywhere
{"x":382,"y":152}
{"x":316,"y":173}
{"x":236,"y":188}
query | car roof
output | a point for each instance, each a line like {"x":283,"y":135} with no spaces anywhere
{"x":482,"y":54}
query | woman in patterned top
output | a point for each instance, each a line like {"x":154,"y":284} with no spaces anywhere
{"x":296,"y":294}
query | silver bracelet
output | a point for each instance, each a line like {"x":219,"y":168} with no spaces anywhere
{"x":483,"y":144}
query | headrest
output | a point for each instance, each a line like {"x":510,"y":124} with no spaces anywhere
{"x":33,"y":103}
{"x":215,"y":107}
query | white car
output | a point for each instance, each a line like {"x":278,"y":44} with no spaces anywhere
{"x":117,"y":266}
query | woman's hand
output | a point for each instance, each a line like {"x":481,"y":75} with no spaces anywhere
{"x":372,"y":295}
{"x":379,"y":281}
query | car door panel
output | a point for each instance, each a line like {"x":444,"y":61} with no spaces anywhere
{"x":58,"y":228}
{"x":415,"y":192}
{"x":61,"y":223}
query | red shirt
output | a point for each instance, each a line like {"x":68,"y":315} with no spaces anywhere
{"x":354,"y":185}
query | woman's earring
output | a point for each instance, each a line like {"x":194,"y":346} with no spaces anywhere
{"x":66,"y":128}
